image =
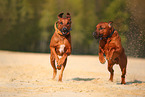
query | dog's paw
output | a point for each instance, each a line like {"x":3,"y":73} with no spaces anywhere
{"x":123,"y":83}
{"x":61,"y":61}
{"x":102,"y":60}
{"x":111,"y":79}
{"x":59,"y":67}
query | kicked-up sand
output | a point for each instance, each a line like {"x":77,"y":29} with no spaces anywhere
{"x":29,"y":75}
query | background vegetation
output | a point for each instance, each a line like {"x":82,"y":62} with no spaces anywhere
{"x":27,"y":25}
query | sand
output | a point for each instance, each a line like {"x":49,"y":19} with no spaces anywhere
{"x":29,"y":75}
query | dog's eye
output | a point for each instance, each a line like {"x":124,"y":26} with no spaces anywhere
{"x":101,"y":28}
{"x":68,"y":23}
{"x":61,"y":23}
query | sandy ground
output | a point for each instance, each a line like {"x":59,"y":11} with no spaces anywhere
{"x":29,"y":75}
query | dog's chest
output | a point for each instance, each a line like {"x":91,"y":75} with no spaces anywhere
{"x":62,"y":45}
{"x":109,"y":45}
{"x":61,"y":48}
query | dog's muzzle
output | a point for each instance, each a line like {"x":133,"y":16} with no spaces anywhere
{"x":64,"y":31}
{"x":97,"y":35}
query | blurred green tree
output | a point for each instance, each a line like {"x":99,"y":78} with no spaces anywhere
{"x":28,"y":25}
{"x":116,"y":12}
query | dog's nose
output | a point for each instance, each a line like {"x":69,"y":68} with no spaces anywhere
{"x":94,"y":34}
{"x":64,"y":29}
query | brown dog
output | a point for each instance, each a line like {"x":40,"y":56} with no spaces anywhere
{"x":60,"y":44}
{"x":110,"y":45}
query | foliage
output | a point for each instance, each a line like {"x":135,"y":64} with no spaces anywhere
{"x":27,"y":25}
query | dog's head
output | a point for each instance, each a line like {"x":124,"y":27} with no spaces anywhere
{"x":103,"y":30}
{"x":64,"y":24}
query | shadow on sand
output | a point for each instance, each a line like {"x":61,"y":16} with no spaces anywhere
{"x":83,"y":79}
{"x":133,"y":82}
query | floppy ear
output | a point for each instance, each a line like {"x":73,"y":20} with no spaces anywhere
{"x":60,"y":15}
{"x":68,"y":15}
{"x":110,"y":24}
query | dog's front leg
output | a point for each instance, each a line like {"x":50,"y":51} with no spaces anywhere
{"x":62,"y":64}
{"x":53,"y":57}
{"x":62,"y":69}
{"x":101,"y":55}
{"x":62,"y":60}
{"x":54,"y":53}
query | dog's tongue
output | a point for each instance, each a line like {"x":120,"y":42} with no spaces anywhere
{"x":64,"y":33}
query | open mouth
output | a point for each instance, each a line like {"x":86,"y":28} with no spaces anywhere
{"x":64,"y":32}
{"x":97,"y":36}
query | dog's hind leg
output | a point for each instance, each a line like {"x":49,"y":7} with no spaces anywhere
{"x":110,"y":69}
{"x":52,"y":60}
{"x":123,"y":64}
{"x":62,"y":69}
{"x":123,"y":75}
